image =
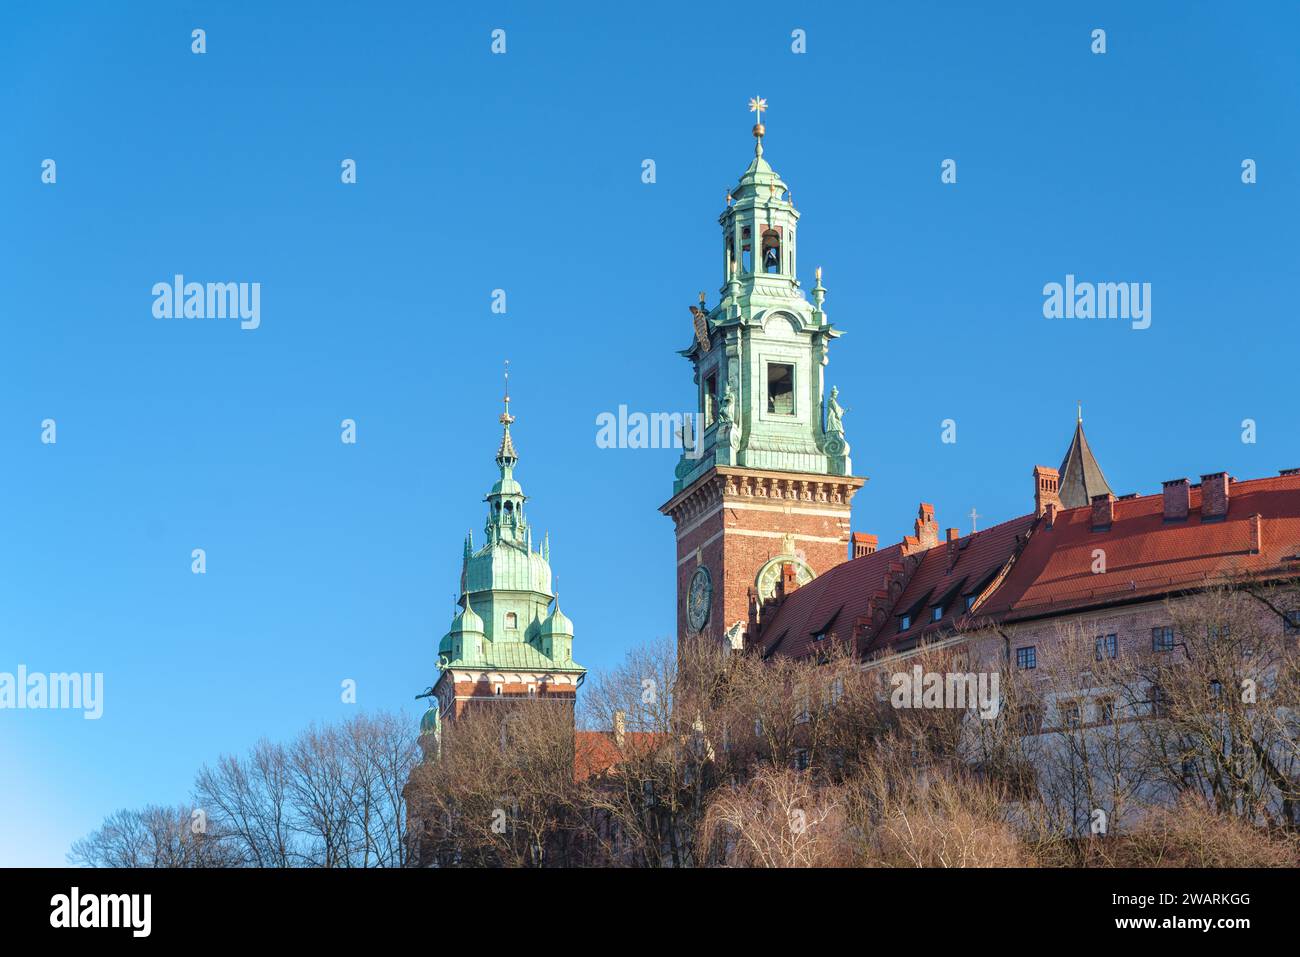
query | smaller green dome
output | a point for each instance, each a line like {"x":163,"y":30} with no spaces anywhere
{"x":429,"y":723}
{"x":467,"y":622}
{"x":557,"y":623}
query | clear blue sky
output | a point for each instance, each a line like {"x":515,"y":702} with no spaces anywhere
{"x":523,"y":172}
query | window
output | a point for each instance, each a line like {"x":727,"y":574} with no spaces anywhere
{"x":1216,"y":688}
{"x":801,"y":759}
{"x":1106,"y":710}
{"x":1220,"y":631}
{"x":820,"y":636}
{"x":780,"y":388}
{"x":1159,"y":701}
{"x":970,"y":601}
{"x":512,"y":620}
{"x":532,"y":691}
{"x":710,"y":398}
{"x":837,"y":690}
{"x":1027,"y":657}
{"x":936,"y":614}
{"x":496,"y":690}
{"x":801,"y":713}
{"x":1071,"y":715}
{"x":904,"y":622}
{"x":1162,"y":639}
{"x":746,"y":251}
{"x":1107,"y":647}
{"x":1291,"y":623}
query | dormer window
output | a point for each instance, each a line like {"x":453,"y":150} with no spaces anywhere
{"x":936,"y":613}
{"x":904,"y":622}
{"x":970,"y":602}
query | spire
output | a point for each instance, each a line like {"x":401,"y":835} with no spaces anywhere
{"x":1081,"y":476}
{"x":506,"y":455}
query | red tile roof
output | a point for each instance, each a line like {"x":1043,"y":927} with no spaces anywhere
{"x":1034,"y":569}
{"x":1146,"y":556}
{"x":831,"y":603}
{"x":596,"y":752}
{"x":980,"y":556}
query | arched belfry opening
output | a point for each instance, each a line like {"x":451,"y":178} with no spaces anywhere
{"x":772,"y":261}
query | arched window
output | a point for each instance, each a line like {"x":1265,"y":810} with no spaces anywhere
{"x":746,"y":250}
{"x":771,"y":251}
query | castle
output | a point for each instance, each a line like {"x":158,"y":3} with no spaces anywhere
{"x":766,"y":559}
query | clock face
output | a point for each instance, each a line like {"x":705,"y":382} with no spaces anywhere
{"x":699,"y":597}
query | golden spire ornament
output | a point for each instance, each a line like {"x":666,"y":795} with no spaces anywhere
{"x":757,"y":105}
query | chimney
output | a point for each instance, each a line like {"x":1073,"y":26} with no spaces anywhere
{"x":954,"y":537}
{"x":1103,"y":511}
{"x":927,"y":529}
{"x":1047,"y":489}
{"x":863,"y":544}
{"x":1214,"y":497}
{"x":620,"y":727}
{"x":1178,"y":499}
{"x":1256,"y":533}
{"x":789,"y":581}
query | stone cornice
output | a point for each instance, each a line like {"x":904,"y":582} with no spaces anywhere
{"x":722,"y":483}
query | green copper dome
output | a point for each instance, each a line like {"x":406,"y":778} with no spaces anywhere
{"x":557,"y":623}
{"x":759,"y":179}
{"x":467,"y":622}
{"x":430,"y":722}
{"x":506,"y":566}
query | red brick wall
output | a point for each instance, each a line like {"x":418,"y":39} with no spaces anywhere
{"x":736,"y":528}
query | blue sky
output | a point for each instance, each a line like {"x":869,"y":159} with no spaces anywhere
{"x":523,"y":172}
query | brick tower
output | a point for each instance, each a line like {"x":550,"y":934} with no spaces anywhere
{"x":761,"y":499}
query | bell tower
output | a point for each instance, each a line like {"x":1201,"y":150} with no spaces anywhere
{"x":761,"y":497}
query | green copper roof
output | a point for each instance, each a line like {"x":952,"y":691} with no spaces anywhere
{"x":467,"y":621}
{"x":505,"y":589}
{"x":430,"y":721}
{"x":557,"y":623}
